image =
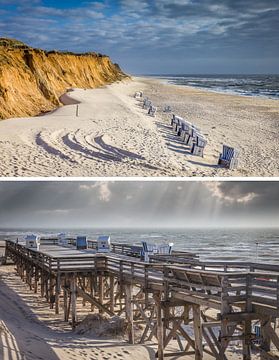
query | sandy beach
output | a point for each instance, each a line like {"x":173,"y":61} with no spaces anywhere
{"x":113,"y":136}
{"x":29,"y":330}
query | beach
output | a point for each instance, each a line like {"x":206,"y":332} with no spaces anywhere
{"x":109,"y":134}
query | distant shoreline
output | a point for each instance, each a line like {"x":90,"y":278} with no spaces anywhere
{"x":175,"y":79}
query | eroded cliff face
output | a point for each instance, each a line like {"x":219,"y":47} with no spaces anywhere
{"x":32,"y":80}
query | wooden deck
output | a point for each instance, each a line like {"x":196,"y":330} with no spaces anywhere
{"x":168,"y":295}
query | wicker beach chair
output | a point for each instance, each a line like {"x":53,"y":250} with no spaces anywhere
{"x":148,"y":249}
{"x":167,"y":109}
{"x":146,"y":103}
{"x":152,"y":111}
{"x":103,"y":244}
{"x":81,"y":243}
{"x":138,"y":95}
{"x":229,"y":157}
{"x":198,"y":145}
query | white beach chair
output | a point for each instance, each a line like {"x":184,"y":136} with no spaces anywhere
{"x":32,"y":241}
{"x":152,"y":111}
{"x":176,"y":122}
{"x":103,"y":244}
{"x":198,"y":145}
{"x":184,"y":129}
{"x":138,"y":94}
{"x":229,"y":157}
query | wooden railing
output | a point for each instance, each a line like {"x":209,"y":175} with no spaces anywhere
{"x":247,"y":287}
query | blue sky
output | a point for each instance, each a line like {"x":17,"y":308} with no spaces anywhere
{"x":154,"y":36}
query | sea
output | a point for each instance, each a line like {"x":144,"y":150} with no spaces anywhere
{"x":266,"y":86}
{"x":256,"y":245}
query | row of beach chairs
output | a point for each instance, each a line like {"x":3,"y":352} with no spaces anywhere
{"x":146,"y":104}
{"x":191,"y":135}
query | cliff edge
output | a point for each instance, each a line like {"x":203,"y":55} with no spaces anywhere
{"x":32,"y":80}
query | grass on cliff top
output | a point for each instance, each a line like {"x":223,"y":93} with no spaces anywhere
{"x":13,"y":43}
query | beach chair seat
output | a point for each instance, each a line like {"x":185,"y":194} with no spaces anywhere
{"x":198,"y":145}
{"x":229,"y":157}
{"x":152,"y":111}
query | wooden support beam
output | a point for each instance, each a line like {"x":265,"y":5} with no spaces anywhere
{"x":93,"y":301}
{"x":57,"y":292}
{"x":73,"y":300}
{"x":198,"y":332}
{"x":129,"y":309}
{"x":111,"y":293}
{"x":160,"y":326}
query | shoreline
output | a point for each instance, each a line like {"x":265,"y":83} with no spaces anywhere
{"x":166,"y":82}
{"x":114,"y":136}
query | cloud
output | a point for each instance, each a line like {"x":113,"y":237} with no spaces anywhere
{"x":103,"y":189}
{"x":230,"y":195}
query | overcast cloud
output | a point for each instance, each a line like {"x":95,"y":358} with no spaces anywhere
{"x":201,"y":36}
{"x":139,"y":204}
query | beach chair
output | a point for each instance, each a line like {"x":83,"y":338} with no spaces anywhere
{"x":103,"y":244}
{"x":138,"y":95}
{"x":62,"y":240}
{"x":229,"y":157}
{"x":148,"y":249}
{"x":176,"y":122}
{"x":184,"y":129}
{"x":167,"y":109}
{"x":146,"y":104}
{"x":152,"y":111}
{"x":198,"y":145}
{"x":165,"y":249}
{"x":81,"y":243}
{"x":32,"y":241}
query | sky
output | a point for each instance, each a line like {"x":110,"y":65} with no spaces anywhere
{"x":154,"y":36}
{"x":139,"y":204}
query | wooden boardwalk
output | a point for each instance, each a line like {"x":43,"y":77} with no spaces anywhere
{"x":203,"y":306}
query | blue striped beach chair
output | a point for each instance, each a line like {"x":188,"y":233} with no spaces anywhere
{"x":148,"y":249}
{"x":229,"y":157}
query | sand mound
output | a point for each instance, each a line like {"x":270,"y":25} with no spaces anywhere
{"x":102,"y":326}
